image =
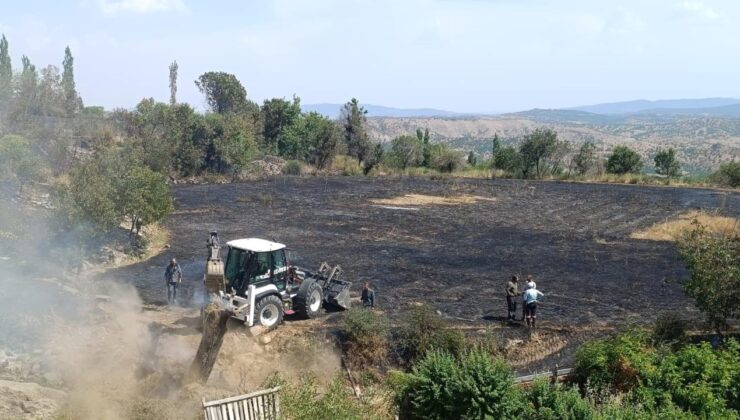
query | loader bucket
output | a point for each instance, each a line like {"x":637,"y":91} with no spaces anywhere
{"x":336,"y":293}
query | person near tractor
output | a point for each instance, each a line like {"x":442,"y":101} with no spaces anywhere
{"x":368,"y":296}
{"x":172,"y":278}
{"x":512,"y":291}
{"x":531,"y":296}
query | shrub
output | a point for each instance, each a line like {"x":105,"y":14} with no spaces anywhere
{"x":669,"y":327}
{"x":666,"y":163}
{"x":304,"y":399}
{"x":446,"y":160}
{"x":728,"y":175}
{"x":366,"y":337}
{"x":443,"y":387}
{"x":714,"y":262}
{"x":623,"y":160}
{"x":558,"y":402}
{"x":422,"y":330}
{"x":616,"y":364}
{"x":292,"y":167}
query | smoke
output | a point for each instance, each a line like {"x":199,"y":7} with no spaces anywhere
{"x":98,"y":352}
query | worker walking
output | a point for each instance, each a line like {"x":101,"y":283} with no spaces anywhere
{"x":512,"y":291}
{"x":173,"y":278}
{"x":531,"y":296}
{"x":368,"y":296}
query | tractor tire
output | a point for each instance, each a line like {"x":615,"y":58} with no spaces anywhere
{"x":309,"y":299}
{"x":268,"y":312}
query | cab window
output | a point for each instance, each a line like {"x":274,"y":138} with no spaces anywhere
{"x":278,"y":260}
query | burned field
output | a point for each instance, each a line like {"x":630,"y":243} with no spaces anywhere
{"x":452,"y":243}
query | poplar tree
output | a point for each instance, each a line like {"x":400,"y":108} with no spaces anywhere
{"x":173,"y":83}
{"x":6,"y":73}
{"x":72,"y":101}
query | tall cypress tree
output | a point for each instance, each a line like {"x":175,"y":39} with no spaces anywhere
{"x":72,"y":101}
{"x":173,"y":83}
{"x":6,"y":73}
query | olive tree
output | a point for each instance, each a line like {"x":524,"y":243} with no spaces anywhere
{"x":623,"y":160}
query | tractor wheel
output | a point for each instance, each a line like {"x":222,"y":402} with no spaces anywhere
{"x":269,"y":312}
{"x":309,"y":299}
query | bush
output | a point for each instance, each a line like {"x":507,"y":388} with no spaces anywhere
{"x":714,"y":262}
{"x":423,"y":330}
{"x":669,"y":327}
{"x":304,"y":399}
{"x":623,"y":160}
{"x":443,"y":387}
{"x":728,"y":175}
{"x":616,"y":364}
{"x":292,"y":167}
{"x":366,"y":337}
{"x":446,"y":160}
{"x":666,"y":163}
{"x":558,"y":402}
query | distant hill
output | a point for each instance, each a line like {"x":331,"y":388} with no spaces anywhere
{"x":645,"y":105}
{"x":333,"y":110}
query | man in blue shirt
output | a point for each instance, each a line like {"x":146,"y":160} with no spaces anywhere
{"x":530,"y":297}
{"x":173,"y":278}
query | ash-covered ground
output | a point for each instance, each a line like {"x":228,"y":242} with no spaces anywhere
{"x":455,"y":255}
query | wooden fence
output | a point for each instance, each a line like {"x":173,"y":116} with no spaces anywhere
{"x":554,"y":375}
{"x":260,"y":405}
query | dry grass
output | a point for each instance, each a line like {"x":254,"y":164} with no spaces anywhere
{"x":672,"y":229}
{"x":424,"y":200}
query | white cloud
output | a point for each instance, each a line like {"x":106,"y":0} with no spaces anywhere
{"x":699,"y":8}
{"x":112,"y":7}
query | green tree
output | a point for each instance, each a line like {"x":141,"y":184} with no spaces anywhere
{"x":321,"y":137}
{"x":18,"y":161}
{"x":110,"y":187}
{"x":495,"y":145}
{"x":535,"y":148}
{"x":72,"y":101}
{"x":623,"y":160}
{"x":507,"y":159}
{"x":728,"y":174}
{"x":26,"y":101}
{"x":50,"y":93}
{"x":666,"y":163}
{"x":6,"y":73}
{"x":223,"y":91}
{"x":354,"y":122}
{"x":280,"y":117}
{"x":407,"y":151}
{"x":144,"y":195}
{"x":714,"y":262}
{"x":173,"y":83}
{"x":472,"y":158}
{"x":426,"y":147}
{"x":586,"y":158}
{"x":375,"y":157}
{"x":476,"y":387}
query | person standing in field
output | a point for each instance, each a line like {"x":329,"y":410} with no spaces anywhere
{"x":172,"y":278}
{"x":512,"y":292}
{"x":530,"y":297}
{"x":528,"y":284}
{"x":368,"y":296}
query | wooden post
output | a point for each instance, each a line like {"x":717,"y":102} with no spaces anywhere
{"x":214,"y":329}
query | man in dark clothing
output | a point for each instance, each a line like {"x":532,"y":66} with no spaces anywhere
{"x":173,"y":278}
{"x":512,"y":291}
{"x":368,"y":296}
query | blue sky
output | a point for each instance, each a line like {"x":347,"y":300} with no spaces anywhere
{"x":459,"y":55}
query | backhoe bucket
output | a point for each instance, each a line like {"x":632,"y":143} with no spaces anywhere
{"x":337,"y":293}
{"x":336,"y":290}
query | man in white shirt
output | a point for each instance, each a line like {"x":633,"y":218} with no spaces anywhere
{"x":530,"y":297}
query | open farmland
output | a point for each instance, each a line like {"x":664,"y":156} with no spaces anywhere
{"x":454,"y":253}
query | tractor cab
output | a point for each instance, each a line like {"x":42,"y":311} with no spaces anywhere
{"x":256,"y":262}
